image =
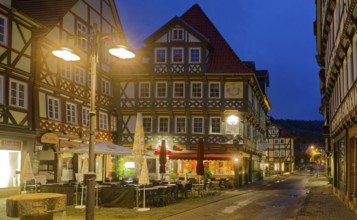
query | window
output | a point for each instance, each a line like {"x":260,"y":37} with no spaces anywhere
{"x":177,"y":34}
{"x":197,"y":125}
{"x":214,"y":90}
{"x":160,"y":55}
{"x":180,"y":122}
{"x":276,"y":153}
{"x":53,"y":108}
{"x":103,"y":121}
{"x":195,"y":55}
{"x":177,"y":55}
{"x":215,"y":125}
{"x":105,"y":54}
{"x":71,"y":113}
{"x":163,"y":125}
{"x":81,"y":29}
{"x":85,"y":117}
{"x":276,"y":141}
{"x":144,"y":90}
{"x":66,"y":70}
{"x":3,"y":29}
{"x":113,"y":123}
{"x":282,"y":141}
{"x":161,"y":89}
{"x":90,"y":81}
{"x":18,"y":93}
{"x":80,"y":75}
{"x":2,"y":89}
{"x":179,"y":90}
{"x":147,"y":124}
{"x":196,"y":89}
{"x":106,"y":87}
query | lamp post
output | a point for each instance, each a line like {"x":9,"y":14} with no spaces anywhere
{"x":68,"y":55}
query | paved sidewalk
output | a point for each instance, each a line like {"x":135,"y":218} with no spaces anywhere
{"x":320,"y":204}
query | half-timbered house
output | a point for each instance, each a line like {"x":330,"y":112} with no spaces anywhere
{"x":336,"y":46}
{"x":60,"y":91}
{"x":17,"y":132}
{"x":190,"y":84}
{"x":279,"y":155}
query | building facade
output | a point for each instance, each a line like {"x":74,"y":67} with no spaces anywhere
{"x":45,"y":102}
{"x":336,"y":43}
{"x":191,"y":85}
{"x":17,"y":130}
{"x":279,"y":155}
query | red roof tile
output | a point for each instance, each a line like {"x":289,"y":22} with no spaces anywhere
{"x":224,"y":59}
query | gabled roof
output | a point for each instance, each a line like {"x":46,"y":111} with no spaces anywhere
{"x":47,"y":12}
{"x":224,"y":59}
{"x":174,"y":21}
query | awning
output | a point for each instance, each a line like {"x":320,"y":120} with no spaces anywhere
{"x":207,"y":156}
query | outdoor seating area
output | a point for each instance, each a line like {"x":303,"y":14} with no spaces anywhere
{"x":129,"y":194}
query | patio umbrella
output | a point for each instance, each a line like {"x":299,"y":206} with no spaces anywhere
{"x":26,"y":171}
{"x":144,"y":180}
{"x":162,"y":158}
{"x":200,"y":156}
{"x":139,"y":142}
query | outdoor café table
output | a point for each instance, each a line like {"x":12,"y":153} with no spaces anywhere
{"x":150,"y":193}
{"x":27,"y":206}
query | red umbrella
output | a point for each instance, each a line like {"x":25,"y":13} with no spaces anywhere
{"x":162,"y":158}
{"x":200,"y":156}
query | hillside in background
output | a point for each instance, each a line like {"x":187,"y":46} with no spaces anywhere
{"x":305,"y":132}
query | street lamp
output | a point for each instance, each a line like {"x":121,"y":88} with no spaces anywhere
{"x":67,"y":54}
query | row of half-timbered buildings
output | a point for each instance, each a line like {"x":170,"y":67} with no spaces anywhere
{"x":187,"y":82}
{"x":336,"y":44}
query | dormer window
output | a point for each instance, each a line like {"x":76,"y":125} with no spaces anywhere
{"x":177,"y":55}
{"x":160,"y":55}
{"x":177,"y":34}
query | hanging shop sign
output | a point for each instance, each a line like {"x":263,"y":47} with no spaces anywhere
{"x":49,"y":138}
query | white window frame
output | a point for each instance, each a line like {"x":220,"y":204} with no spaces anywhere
{"x":210,"y":94}
{"x":81,"y":28}
{"x":113,"y":123}
{"x":157,"y":89}
{"x":103,"y":121}
{"x":106,"y":87}
{"x":177,"y":34}
{"x":173,"y":52}
{"x":18,"y":94}
{"x":71,"y":113}
{"x":191,"y":57}
{"x":53,"y":108}
{"x":2,"y":89}
{"x":159,"y":122}
{"x":192,"y":90}
{"x":85,"y":116}
{"x":177,"y":130}
{"x":276,"y":141}
{"x":147,"y":123}
{"x":66,"y":69}
{"x":211,"y":127}
{"x":142,"y":89}
{"x":282,"y":141}
{"x":194,"y":122}
{"x":4,"y":33}
{"x":157,"y":51}
{"x":80,"y":75}
{"x":174,"y":89}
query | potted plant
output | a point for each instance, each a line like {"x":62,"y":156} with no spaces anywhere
{"x":207,"y":174}
{"x":173,"y":176}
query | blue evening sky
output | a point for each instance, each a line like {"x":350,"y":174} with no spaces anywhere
{"x":276,"y":34}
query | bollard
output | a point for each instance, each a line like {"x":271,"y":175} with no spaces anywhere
{"x":89,"y":179}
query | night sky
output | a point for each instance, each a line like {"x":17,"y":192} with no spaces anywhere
{"x":277,"y":34}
